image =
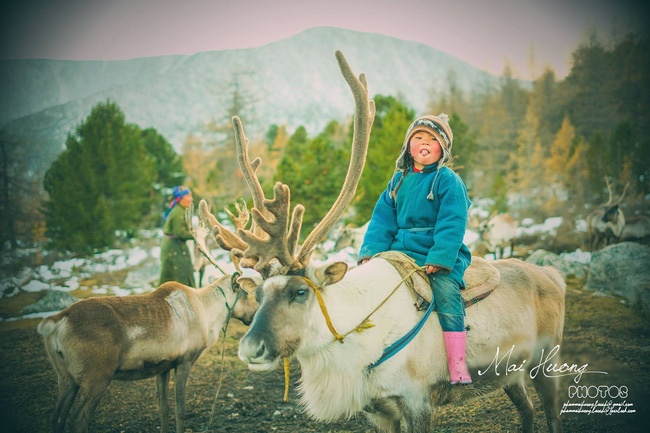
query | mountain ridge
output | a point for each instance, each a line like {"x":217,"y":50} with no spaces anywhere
{"x":293,"y":81}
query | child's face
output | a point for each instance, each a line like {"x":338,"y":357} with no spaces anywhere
{"x":186,"y":200}
{"x":425,"y":149}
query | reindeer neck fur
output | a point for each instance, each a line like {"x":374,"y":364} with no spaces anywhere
{"x":335,"y":379}
{"x":212,"y":301}
{"x":205,"y":307}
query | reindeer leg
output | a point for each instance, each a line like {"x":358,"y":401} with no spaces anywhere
{"x":547,"y":390}
{"x":162,"y":385}
{"x":518,"y":395}
{"x":180,"y":382}
{"x":68,"y":389}
{"x":67,"y":392}
{"x":92,"y":390}
{"x":419,"y":421}
{"x":385,"y":414}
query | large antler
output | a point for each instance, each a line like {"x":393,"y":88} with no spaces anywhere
{"x":274,"y":235}
{"x":610,"y":201}
{"x":364,"y":115}
{"x":209,"y":225}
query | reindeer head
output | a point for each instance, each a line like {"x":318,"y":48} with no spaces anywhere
{"x":611,"y":209}
{"x":270,"y":245}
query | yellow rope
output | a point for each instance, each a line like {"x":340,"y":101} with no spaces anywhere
{"x":365,"y":323}
{"x":216,"y":395}
{"x":287,"y":374}
{"x":323,"y":308}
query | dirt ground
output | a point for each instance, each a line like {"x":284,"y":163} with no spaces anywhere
{"x":601,"y":331}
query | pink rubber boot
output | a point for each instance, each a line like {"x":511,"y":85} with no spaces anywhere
{"x":456,"y":362}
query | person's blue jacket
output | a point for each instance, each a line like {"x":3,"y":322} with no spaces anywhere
{"x":429,"y":231}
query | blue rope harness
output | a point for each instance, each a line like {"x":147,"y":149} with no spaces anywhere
{"x":404,"y":340}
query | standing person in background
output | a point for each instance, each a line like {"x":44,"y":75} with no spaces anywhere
{"x":423,"y":213}
{"x":175,"y":258}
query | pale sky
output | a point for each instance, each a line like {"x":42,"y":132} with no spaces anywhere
{"x":485,"y":33}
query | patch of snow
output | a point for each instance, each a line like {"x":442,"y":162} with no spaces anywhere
{"x":35,"y":286}
{"x":72,"y":284}
{"x":41,"y":315}
{"x":45,"y":273}
{"x":549,"y":226}
{"x":118,"y":291}
{"x":68,"y":286}
{"x":581,"y":226}
{"x":527,"y":222}
{"x":136,"y":256}
{"x":578,"y":256}
{"x":103,"y":290}
{"x":348,"y":255}
{"x":66,"y":267}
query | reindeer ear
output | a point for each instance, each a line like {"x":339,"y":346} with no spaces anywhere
{"x":248,"y":284}
{"x":234,"y":284}
{"x":331,"y":273}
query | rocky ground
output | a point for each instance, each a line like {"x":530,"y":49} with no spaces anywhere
{"x":602,"y":331}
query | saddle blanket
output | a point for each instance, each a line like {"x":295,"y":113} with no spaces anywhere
{"x":481,"y":277}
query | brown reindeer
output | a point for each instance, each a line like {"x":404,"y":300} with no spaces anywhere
{"x":304,"y":307}
{"x":605,"y":225}
{"x":97,"y":340}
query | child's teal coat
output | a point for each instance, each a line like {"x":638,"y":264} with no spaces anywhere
{"x":429,"y":231}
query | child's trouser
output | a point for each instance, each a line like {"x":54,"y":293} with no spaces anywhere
{"x":448,"y":302}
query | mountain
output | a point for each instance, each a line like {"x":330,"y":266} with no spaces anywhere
{"x":294,"y":81}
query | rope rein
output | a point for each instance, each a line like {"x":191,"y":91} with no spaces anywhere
{"x":224,"y":331}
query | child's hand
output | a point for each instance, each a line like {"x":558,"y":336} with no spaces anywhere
{"x":432,"y":269}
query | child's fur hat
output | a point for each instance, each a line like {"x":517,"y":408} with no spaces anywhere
{"x":438,"y":126}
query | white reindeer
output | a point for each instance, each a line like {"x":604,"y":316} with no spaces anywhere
{"x":303,"y":308}
{"x":605,"y":225}
{"x":199,"y":262}
{"x":498,"y":232}
{"x":637,"y":229}
{"x":97,"y":340}
{"x":350,"y":236}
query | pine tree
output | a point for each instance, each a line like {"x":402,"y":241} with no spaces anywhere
{"x":314,"y":170}
{"x":101,"y":182}
{"x":560,"y":152}
{"x":525,"y":167}
{"x":168,"y":163}
{"x":499,"y":192}
{"x":464,"y":149}
{"x":577,"y":169}
{"x":545,"y":103}
{"x":290,"y":169}
{"x":169,"y":170}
